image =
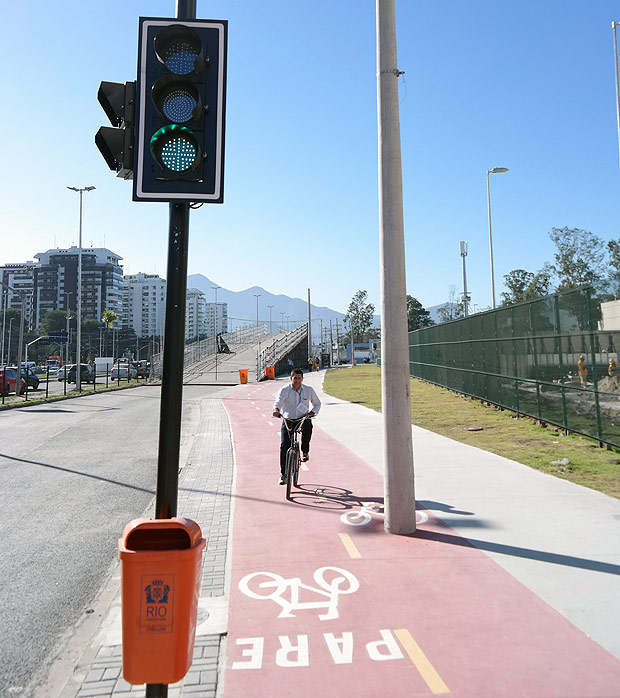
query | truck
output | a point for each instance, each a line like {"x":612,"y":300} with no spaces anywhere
{"x":53,"y":363}
{"x":104,"y":363}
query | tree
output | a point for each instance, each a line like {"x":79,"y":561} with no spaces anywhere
{"x":452,"y":310}
{"x":613,"y":247}
{"x":525,"y":285}
{"x":53,"y":321}
{"x":417,"y":316}
{"x":359,"y":315}
{"x":109,"y":318}
{"x":579,"y":258}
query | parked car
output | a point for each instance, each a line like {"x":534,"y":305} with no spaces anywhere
{"x":63,"y":371}
{"x":30,"y":377}
{"x":8,"y":381}
{"x":123,"y":371}
{"x":87,"y":374}
{"x":144,"y":368}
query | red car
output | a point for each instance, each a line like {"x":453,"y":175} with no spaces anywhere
{"x":8,"y":381}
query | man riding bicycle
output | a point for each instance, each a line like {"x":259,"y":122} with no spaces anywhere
{"x":293,"y":402}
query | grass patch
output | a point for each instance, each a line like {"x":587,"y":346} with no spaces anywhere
{"x":450,"y":414}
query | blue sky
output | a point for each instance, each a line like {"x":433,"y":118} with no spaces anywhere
{"x":529,"y":86}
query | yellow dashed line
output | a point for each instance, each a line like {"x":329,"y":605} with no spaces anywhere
{"x":420,"y":660}
{"x":349,"y":545}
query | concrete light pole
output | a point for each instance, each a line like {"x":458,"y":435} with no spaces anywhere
{"x":614,"y":25}
{"x":257,"y":296}
{"x":78,"y":353}
{"x":270,"y":307}
{"x":465,"y":294}
{"x":396,"y":411}
{"x":495,"y":170}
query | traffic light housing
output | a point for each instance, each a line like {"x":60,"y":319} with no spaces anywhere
{"x":180,"y":118}
{"x":116,"y":144}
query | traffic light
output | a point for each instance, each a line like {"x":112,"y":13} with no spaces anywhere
{"x":116,"y":144}
{"x":180,"y":119}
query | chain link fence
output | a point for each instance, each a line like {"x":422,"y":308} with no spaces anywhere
{"x":552,"y":359}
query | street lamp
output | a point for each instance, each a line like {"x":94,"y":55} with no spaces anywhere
{"x":270,"y":307}
{"x":78,"y":354}
{"x":495,"y":170}
{"x":257,"y":296}
{"x":613,"y":26}
{"x":8,"y":353}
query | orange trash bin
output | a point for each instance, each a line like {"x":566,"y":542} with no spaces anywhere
{"x":243,"y":375}
{"x":160,"y":586}
{"x":271,"y":373}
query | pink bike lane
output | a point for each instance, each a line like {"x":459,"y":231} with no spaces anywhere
{"x":324,"y":602}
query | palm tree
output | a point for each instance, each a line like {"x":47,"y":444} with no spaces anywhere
{"x":109,"y":318}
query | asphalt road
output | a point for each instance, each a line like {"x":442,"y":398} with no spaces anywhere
{"x":73,"y":474}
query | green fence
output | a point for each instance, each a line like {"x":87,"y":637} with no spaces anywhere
{"x":525,"y":357}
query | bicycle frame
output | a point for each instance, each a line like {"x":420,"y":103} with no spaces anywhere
{"x":292,"y":454}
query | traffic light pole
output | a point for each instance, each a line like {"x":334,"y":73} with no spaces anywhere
{"x":174,"y":351}
{"x":172,"y":379}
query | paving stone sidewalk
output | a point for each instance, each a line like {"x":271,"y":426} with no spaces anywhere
{"x":205,"y":488}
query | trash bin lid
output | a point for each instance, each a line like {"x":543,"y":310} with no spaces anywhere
{"x":176,"y":533}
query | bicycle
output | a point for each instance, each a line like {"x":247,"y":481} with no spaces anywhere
{"x":291,"y":472}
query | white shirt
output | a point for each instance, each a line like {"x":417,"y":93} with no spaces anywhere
{"x":294,"y":404}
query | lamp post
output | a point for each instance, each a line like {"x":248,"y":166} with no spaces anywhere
{"x":495,"y":170}
{"x":68,"y":317}
{"x":78,"y":353}
{"x":613,"y":26}
{"x":257,"y":296}
{"x":270,"y":307}
{"x":465,"y":294}
{"x":8,"y":352}
{"x":3,"y":322}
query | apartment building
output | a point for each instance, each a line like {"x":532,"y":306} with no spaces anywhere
{"x":195,"y":314}
{"x":144,"y":304}
{"x":56,"y":280}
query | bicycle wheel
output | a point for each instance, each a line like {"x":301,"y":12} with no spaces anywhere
{"x":291,"y":455}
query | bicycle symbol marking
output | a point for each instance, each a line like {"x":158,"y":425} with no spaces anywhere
{"x":364,"y":515}
{"x":275,"y":587}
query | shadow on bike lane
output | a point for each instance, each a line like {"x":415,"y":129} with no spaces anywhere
{"x":323,"y":602}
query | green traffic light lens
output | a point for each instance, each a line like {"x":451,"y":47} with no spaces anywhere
{"x":176,"y":149}
{"x":178,"y":155}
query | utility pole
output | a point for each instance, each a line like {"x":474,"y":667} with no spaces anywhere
{"x":465,"y":294}
{"x":309,"y":328}
{"x":396,"y":411}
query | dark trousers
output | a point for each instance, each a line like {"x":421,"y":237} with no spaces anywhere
{"x":306,"y":434}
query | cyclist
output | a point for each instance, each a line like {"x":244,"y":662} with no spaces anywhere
{"x":294,"y":401}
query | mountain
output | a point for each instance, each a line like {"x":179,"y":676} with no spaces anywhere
{"x":242,"y":306}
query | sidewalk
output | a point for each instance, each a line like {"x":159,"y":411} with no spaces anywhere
{"x":510,"y":586}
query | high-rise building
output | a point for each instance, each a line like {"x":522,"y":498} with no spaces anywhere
{"x":19,"y":282}
{"x":144,"y":304}
{"x":195,"y":314}
{"x":56,"y":278}
{"x":216,"y":318}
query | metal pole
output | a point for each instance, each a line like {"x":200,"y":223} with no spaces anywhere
{"x":257,"y":296}
{"x":20,"y":346}
{"x":614,"y":26}
{"x":3,"y":322}
{"x":309,"y":327}
{"x":490,"y":241}
{"x":465,"y":294}
{"x":396,"y":412}
{"x":270,"y":329}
